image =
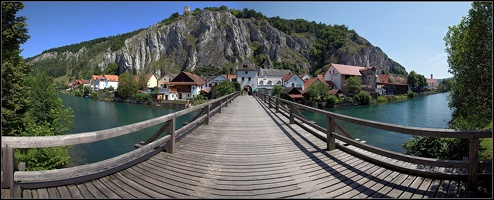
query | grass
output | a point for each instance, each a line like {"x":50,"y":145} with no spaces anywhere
{"x":487,"y":153}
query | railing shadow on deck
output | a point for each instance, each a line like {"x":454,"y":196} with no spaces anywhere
{"x":332,"y":172}
{"x":16,"y":179}
{"x":470,"y":169}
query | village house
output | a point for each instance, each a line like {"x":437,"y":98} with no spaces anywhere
{"x":97,"y":82}
{"x":305,"y":76}
{"x":337,"y":74}
{"x":391,"y":84}
{"x":184,"y":86}
{"x":152,"y":82}
{"x":82,"y":82}
{"x":247,"y":77}
{"x":165,"y":79}
{"x":293,"y":80}
{"x":312,"y":81}
{"x":110,"y":81}
{"x":432,"y":83}
{"x":268,"y":78}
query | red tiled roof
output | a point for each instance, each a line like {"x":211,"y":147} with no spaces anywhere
{"x":346,"y":69}
{"x":230,"y":76}
{"x":95,"y":77}
{"x":113,"y":78}
{"x":330,"y":83}
{"x":195,"y":78}
{"x":296,"y":96}
{"x":383,"y":78}
{"x":335,"y":91}
{"x":311,"y":81}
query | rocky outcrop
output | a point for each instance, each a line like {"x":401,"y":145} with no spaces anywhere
{"x":218,"y":39}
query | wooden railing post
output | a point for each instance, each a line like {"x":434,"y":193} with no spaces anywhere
{"x":221,"y":102}
{"x":292,"y":120}
{"x":170,"y":145}
{"x":277,"y":107}
{"x":330,"y":140}
{"x":474,"y":164}
{"x":8,"y":166}
{"x":207,"y":115}
{"x":269,"y":102}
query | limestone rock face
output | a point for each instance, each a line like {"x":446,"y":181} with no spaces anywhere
{"x":217,"y":39}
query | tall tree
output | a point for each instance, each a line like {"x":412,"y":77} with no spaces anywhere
{"x":127,"y":86}
{"x":112,"y":69}
{"x":14,"y":69}
{"x":142,"y":82}
{"x":469,"y":49}
{"x":318,"y":92}
{"x":354,"y":85}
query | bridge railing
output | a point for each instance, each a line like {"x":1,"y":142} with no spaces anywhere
{"x":13,"y":179}
{"x":334,"y":131}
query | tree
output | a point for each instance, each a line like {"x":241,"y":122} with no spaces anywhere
{"x":469,"y":49}
{"x":224,"y":88}
{"x":142,"y":82}
{"x":277,"y":90}
{"x":318,"y":92}
{"x":127,"y":86}
{"x":14,"y":69}
{"x":354,"y":85}
{"x":445,"y":85}
{"x":364,"y":98}
{"x":112,"y":69}
{"x":413,"y":79}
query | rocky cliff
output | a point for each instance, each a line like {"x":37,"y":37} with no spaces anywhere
{"x":215,"y":38}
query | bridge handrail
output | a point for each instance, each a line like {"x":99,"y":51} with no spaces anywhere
{"x":56,"y":177}
{"x":331,"y":135}
{"x":87,"y":137}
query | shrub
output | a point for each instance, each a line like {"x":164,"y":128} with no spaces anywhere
{"x":382,"y":99}
{"x":111,"y":88}
{"x":142,"y":97}
{"x":331,"y":101}
{"x":364,"y":97}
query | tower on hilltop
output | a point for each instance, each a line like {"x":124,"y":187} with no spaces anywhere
{"x":186,"y":9}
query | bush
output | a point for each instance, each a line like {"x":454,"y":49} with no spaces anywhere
{"x":111,"y":88}
{"x":382,"y":99}
{"x":142,"y":97}
{"x":331,"y":101}
{"x":199,"y":99}
{"x":94,"y":95}
{"x":410,"y":94}
{"x":364,"y":97}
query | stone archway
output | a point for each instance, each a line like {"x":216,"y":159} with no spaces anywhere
{"x":247,"y":89}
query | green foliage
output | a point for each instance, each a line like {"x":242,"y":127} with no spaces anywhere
{"x":142,"y":82}
{"x":416,"y":80}
{"x":364,"y":98}
{"x":224,"y":88}
{"x":382,"y":99}
{"x":247,"y":13}
{"x":173,"y":17}
{"x":469,"y":49}
{"x":410,"y":94}
{"x":39,"y":159}
{"x":112,"y":69}
{"x":111,"y":88}
{"x":331,"y":101}
{"x":199,"y":99}
{"x":318,"y":92}
{"x":237,"y":86}
{"x":127,"y":86}
{"x":142,"y":97}
{"x":14,"y":70}
{"x":354,"y":85}
{"x":277,"y":90}
{"x":445,"y":85}
{"x":208,"y":70}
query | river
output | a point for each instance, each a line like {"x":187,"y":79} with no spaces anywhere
{"x":95,"y":115}
{"x":429,"y":111}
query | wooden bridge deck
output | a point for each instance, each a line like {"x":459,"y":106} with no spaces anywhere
{"x":248,"y":151}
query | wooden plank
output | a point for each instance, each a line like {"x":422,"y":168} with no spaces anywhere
{"x":43,"y":193}
{"x":112,"y":186}
{"x":53,"y":193}
{"x":433,"y":188}
{"x":64,"y":192}
{"x":115,"y":178}
{"x":453,"y":189}
{"x":412,"y":188}
{"x":26,"y":194}
{"x":94,"y":191}
{"x":84,"y":191}
{"x":443,"y":189}
{"x":422,"y":189}
{"x":105,"y":190}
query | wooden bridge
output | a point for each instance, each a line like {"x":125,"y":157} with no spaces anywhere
{"x":245,"y":147}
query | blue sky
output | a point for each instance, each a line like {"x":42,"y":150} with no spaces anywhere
{"x":411,"y":33}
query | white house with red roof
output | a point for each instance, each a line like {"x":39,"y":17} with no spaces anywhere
{"x":97,"y":82}
{"x":110,"y":81}
{"x":337,"y":74}
{"x":184,"y":86}
{"x":293,"y":80}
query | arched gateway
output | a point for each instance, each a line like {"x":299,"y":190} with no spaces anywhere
{"x":247,"y":89}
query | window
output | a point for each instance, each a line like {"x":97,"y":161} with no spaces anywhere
{"x":246,"y":72}
{"x":278,"y":83}
{"x":261,"y":82}
{"x":249,"y":78}
{"x":243,"y":78}
{"x":193,"y":87}
{"x":270,"y":83}
{"x":293,"y":84}
{"x":210,"y":85}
